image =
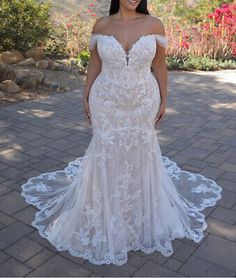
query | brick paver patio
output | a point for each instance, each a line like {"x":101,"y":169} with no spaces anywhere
{"x":199,"y":133}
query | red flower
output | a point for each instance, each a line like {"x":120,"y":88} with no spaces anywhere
{"x":94,"y":14}
{"x":233,"y":47}
{"x":224,"y":5}
{"x":229,"y":21}
{"x":213,"y":15}
{"x":206,"y":26}
{"x":234,"y":52}
{"x":218,"y":11}
{"x":89,"y":11}
{"x":91,"y":5}
{"x":184,"y":44}
{"x":233,"y":7}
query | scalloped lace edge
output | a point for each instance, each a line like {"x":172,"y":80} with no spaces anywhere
{"x":110,"y":258}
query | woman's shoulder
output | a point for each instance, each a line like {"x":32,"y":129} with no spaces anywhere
{"x":152,"y":23}
{"x":100,"y":24}
{"x":155,"y":24}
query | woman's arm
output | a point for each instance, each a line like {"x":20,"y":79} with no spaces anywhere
{"x":94,"y":68}
{"x":94,"y":65}
{"x":159,"y":68}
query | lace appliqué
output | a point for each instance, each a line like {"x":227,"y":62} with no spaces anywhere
{"x":91,"y":234}
{"x":122,"y":195}
{"x":161,"y":39}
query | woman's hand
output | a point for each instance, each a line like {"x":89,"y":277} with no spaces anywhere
{"x":160,"y":114}
{"x":86,"y":109}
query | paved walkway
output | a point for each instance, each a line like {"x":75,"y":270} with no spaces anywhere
{"x":198,"y":132}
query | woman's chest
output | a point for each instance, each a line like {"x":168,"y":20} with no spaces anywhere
{"x":141,"y":52}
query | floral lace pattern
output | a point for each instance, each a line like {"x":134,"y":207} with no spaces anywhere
{"x":122,"y":194}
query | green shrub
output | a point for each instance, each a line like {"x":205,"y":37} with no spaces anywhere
{"x":24,"y":24}
{"x":202,"y":63}
{"x":174,"y":63}
{"x":228,"y":64}
{"x":55,"y":45}
{"x":81,"y":61}
{"x":199,"y":63}
{"x":83,"y":58}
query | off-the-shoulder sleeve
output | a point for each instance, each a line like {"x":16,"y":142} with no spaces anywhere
{"x":161,"y":40}
{"x":93,"y":41}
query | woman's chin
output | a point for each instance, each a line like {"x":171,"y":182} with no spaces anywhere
{"x":132,"y":4}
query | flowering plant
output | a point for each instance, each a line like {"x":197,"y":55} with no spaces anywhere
{"x":213,"y":38}
{"x":76,"y":28}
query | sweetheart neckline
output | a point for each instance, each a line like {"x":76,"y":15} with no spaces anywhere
{"x":127,"y":52}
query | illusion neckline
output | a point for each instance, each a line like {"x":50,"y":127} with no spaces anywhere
{"x":127,"y":52}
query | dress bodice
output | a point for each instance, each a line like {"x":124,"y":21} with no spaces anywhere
{"x":120,"y":66}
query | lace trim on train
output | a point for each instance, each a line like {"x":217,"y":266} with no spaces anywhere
{"x":76,"y":167}
{"x":174,"y":171}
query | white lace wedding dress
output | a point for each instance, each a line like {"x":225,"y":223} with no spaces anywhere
{"x":122,"y":194}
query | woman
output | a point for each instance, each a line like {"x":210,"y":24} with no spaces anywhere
{"x":122,"y":194}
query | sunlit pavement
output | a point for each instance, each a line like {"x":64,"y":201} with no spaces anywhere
{"x":198,"y":132}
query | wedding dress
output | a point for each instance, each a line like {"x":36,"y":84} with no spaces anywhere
{"x":122,"y":195}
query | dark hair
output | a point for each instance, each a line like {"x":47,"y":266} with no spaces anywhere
{"x":115,"y":5}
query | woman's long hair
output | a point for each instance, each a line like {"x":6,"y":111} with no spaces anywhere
{"x":141,"y":8}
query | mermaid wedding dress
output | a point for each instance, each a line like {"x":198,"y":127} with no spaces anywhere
{"x":122,"y":195}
